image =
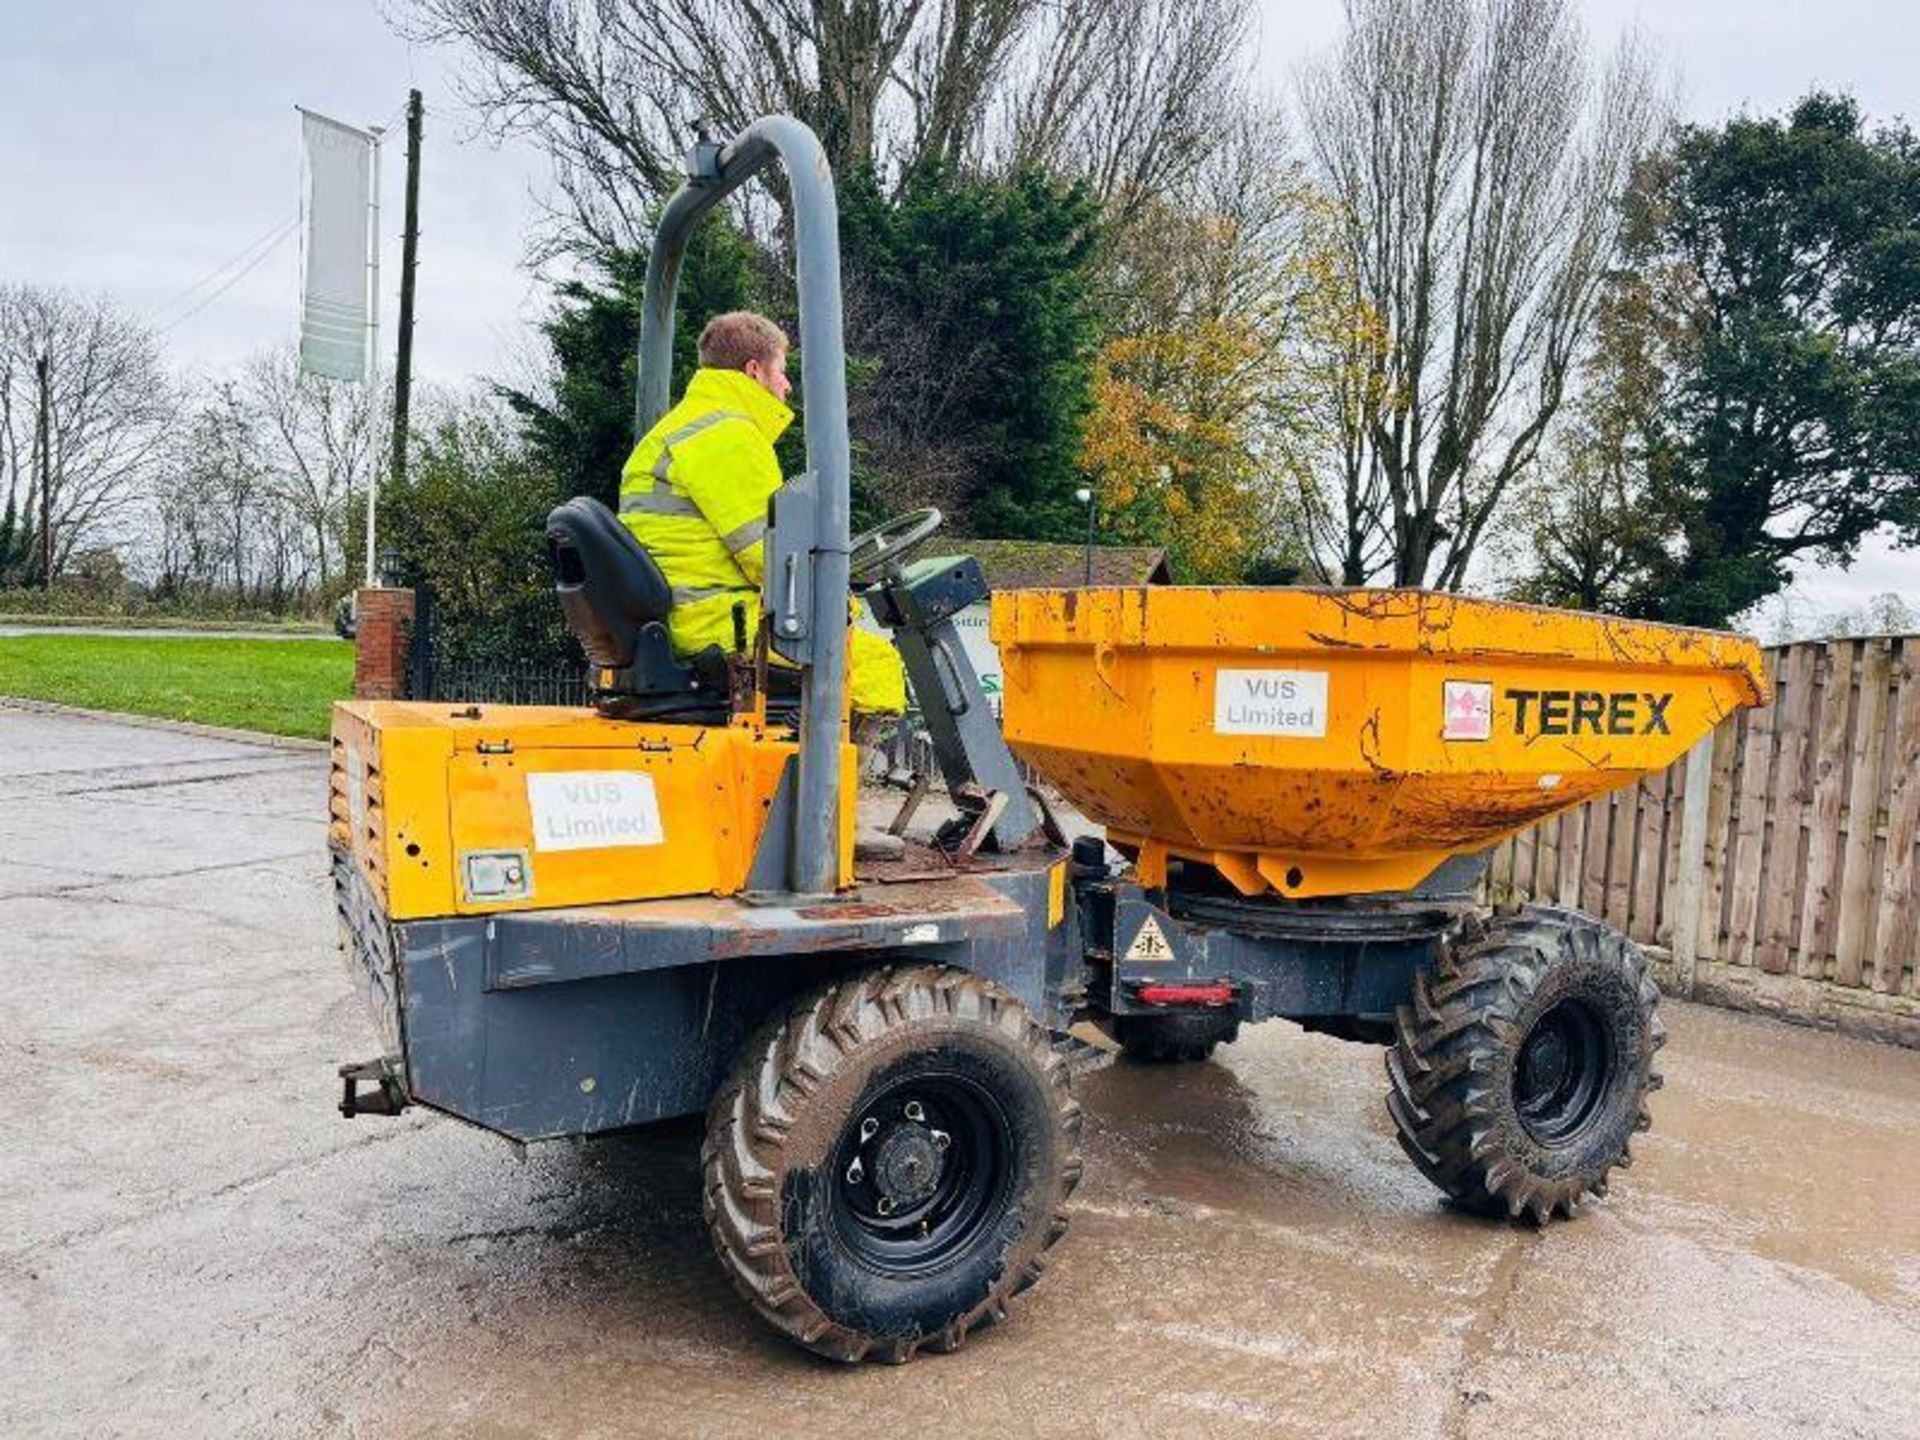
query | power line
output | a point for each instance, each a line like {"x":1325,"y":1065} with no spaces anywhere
{"x":268,"y":239}
{"x":234,"y":278}
{"x":248,"y":258}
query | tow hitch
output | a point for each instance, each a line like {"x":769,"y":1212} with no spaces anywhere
{"x":387,"y":1097}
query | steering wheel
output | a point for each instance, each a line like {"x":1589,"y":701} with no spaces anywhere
{"x":873,"y":550}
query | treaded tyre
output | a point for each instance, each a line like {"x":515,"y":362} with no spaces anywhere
{"x":890,"y":1161}
{"x":1523,"y":1064}
{"x":1174,"y":1039}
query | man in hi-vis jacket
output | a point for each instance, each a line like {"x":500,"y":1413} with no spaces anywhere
{"x":695,"y":490}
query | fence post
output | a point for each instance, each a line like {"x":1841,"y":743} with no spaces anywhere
{"x":420,"y":682}
{"x":1692,"y":863}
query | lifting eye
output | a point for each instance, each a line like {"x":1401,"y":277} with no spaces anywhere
{"x":1294,"y":877}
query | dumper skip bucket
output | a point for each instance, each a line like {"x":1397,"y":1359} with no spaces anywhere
{"x":1344,"y":742}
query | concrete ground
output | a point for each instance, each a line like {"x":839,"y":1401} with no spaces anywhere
{"x":193,"y":1243}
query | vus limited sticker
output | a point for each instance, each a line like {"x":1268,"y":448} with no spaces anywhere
{"x":593,"y":810}
{"x":1270,"y":702}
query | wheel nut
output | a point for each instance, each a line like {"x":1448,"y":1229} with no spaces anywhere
{"x":856,"y":1172}
{"x":941,"y":1139}
{"x":914,"y":1113}
{"x":868,"y":1127}
{"x":884,"y":1205}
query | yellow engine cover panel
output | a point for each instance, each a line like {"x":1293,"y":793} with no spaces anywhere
{"x":1329,"y":742}
{"x":474,"y":810}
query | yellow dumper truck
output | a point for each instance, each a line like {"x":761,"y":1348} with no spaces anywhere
{"x":569,"y":922}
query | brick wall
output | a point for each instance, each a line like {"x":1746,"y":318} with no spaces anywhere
{"x":382,"y":644}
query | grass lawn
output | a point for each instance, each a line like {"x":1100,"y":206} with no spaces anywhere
{"x":283,"y":687}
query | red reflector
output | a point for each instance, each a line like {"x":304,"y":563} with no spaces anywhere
{"x":1184,"y":994}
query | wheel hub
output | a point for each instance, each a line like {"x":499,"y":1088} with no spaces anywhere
{"x":1562,"y":1072}
{"x":1546,"y":1061}
{"x":906,"y":1164}
{"x":920,"y":1172}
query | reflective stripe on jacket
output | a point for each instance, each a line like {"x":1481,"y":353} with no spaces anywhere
{"x":694,"y":492}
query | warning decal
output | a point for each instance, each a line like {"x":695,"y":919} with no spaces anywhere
{"x":1150,"y":943}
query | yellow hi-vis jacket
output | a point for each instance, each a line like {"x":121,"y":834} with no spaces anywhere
{"x":694,"y":493}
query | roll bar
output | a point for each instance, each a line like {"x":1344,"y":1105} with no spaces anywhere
{"x":715,"y":171}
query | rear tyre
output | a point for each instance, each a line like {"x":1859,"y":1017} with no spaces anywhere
{"x":1521,"y":1069}
{"x":1174,"y":1039}
{"x":889,"y":1162}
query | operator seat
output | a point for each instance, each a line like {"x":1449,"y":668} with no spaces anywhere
{"x":616,"y":602}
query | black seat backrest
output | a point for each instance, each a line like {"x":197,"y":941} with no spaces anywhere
{"x":606,"y":582}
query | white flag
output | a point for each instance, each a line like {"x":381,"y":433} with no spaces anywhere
{"x":333,"y":311}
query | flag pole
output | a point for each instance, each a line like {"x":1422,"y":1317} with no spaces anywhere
{"x":373,"y":337}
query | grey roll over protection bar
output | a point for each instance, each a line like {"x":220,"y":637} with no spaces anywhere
{"x":715,"y":171}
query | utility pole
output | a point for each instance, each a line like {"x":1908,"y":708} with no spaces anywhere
{"x":409,"y":253}
{"x":40,"y":367}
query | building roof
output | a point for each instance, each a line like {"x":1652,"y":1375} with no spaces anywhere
{"x":1043,"y":565}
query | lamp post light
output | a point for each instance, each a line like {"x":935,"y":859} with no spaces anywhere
{"x":1085,"y":496}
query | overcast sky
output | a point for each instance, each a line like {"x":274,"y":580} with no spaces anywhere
{"x":145,"y":145}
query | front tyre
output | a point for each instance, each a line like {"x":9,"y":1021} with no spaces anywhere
{"x":1522,"y":1066}
{"x":889,"y":1162}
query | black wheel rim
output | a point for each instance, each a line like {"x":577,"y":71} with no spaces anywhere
{"x":1561,"y":1076}
{"x":921,"y":1172}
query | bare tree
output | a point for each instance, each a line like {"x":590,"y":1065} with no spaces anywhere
{"x":609,"y":88}
{"x":207,"y":510}
{"x":1587,"y":528}
{"x":225,"y":453}
{"x":1130,"y":96}
{"x":1476,"y":159}
{"x":1221,"y":238}
{"x":1121,"y":93}
{"x":108,"y":406}
{"x":317,"y":442}
{"x":182,"y":549}
{"x":248,"y":502}
{"x":1232,"y":309}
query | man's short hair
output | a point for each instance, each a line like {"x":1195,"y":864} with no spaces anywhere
{"x":732,"y":339}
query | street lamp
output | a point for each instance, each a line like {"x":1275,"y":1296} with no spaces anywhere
{"x":1085,"y":496}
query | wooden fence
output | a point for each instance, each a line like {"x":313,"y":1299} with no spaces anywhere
{"x":1777,"y":866}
